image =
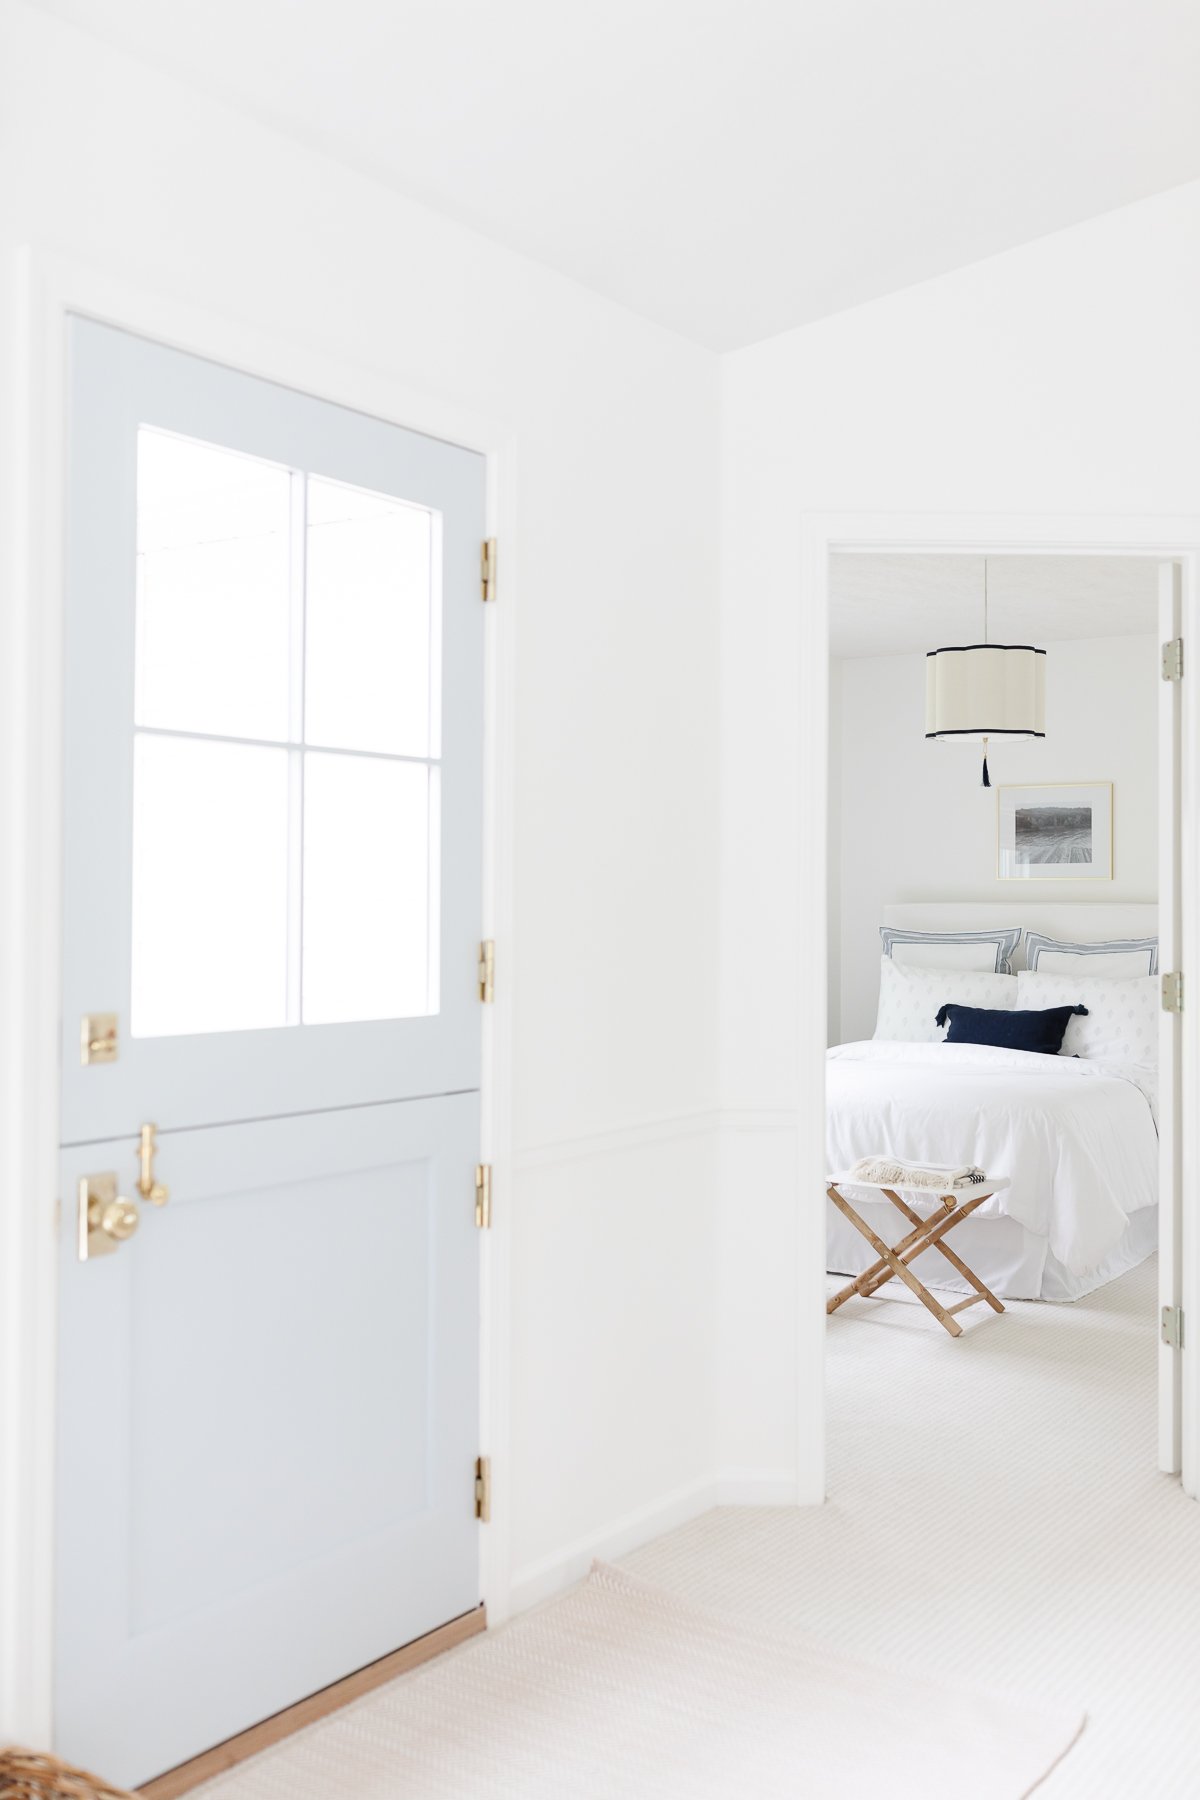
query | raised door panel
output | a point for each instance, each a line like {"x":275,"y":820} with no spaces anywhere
{"x":268,"y":1423}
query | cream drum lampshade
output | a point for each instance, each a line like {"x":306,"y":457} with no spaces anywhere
{"x":974,"y":692}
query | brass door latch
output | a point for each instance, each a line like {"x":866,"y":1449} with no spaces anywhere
{"x":147,"y":1187}
{"x":98,"y":1038}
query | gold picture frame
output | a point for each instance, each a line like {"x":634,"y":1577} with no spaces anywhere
{"x":1063,"y":832}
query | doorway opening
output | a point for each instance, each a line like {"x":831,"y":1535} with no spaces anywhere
{"x":1060,"y":869}
{"x":1166,"y":539}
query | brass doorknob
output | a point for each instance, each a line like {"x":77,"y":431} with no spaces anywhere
{"x":115,"y":1218}
{"x":105,"y":1218}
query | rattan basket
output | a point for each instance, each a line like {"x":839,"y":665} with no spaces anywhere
{"x":30,"y":1775}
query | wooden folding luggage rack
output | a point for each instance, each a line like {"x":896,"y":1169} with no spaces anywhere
{"x":956,"y":1204}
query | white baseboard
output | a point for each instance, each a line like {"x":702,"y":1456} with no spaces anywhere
{"x":756,"y":1487}
{"x":554,"y":1574}
{"x":563,"y":1568}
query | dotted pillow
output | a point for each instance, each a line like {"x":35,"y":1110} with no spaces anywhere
{"x":910,"y":999}
{"x":1122,"y":1018}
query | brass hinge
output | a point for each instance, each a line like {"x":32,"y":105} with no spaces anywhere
{"x":487,"y":970}
{"x":483,"y":1196}
{"x":1172,"y":1327}
{"x":1172,"y":660}
{"x":483,"y":1488}
{"x":1172,"y":992}
{"x":487,"y":568}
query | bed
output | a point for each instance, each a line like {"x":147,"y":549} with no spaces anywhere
{"x":1076,"y":1133}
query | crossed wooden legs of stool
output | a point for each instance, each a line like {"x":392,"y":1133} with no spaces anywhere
{"x":894,"y":1259}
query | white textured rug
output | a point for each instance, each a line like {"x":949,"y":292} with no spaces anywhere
{"x":621,"y":1692}
{"x":1064,"y":1564}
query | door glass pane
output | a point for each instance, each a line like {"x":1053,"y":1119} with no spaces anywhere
{"x":213,"y":601}
{"x":210,"y":873}
{"x":369,"y":621}
{"x":368,"y":825}
{"x":276,"y":885}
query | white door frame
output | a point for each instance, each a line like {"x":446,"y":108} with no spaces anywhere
{"x":33,"y":499}
{"x":1170,"y":537}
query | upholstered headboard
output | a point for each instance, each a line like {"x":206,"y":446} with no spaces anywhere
{"x":1083,"y":922}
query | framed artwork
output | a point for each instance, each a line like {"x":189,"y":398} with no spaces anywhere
{"x":1055,"y":832}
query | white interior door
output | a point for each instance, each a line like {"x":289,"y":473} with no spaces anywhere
{"x":273,"y":794}
{"x":1170,"y":922}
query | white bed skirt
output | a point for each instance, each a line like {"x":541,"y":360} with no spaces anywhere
{"x":1012,"y":1261}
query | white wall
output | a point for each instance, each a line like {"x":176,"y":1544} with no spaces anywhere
{"x":613,"y":572}
{"x":915,"y":824}
{"x":1060,"y":377}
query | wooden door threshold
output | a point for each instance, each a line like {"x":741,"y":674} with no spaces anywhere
{"x":327,"y":1700}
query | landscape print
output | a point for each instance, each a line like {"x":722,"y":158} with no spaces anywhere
{"x":1055,"y":833}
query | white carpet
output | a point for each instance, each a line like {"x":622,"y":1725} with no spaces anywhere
{"x":621,"y":1692}
{"x":995,"y":1517}
{"x":1054,"y":1558}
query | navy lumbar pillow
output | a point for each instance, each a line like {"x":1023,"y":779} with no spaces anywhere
{"x":1043,"y":1031}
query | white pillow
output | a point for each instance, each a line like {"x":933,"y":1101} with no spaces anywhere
{"x":1117,"y":958}
{"x":909,"y":999}
{"x":1122,"y":1018}
{"x":990,"y":950}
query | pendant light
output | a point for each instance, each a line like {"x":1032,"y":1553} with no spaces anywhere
{"x":974,"y":692}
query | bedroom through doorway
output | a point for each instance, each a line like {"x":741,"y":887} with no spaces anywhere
{"x":1001,"y":915}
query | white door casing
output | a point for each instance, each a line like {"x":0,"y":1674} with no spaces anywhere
{"x":1170,"y":1108}
{"x":1167,"y":537}
{"x":269,"y":1397}
{"x":49,"y":289}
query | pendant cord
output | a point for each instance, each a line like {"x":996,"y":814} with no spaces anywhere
{"x":985,"y":780}
{"x":985,"y":600}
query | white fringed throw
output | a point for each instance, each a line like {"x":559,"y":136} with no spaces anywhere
{"x":885,"y":1171}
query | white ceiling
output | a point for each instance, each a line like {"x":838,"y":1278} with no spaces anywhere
{"x":730,"y":168}
{"x":888,"y":605}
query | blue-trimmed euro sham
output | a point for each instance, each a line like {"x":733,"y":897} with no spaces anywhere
{"x":1005,"y":942}
{"x":1036,"y":943}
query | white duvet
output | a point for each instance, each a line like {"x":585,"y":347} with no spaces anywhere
{"x":1076,"y":1139}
